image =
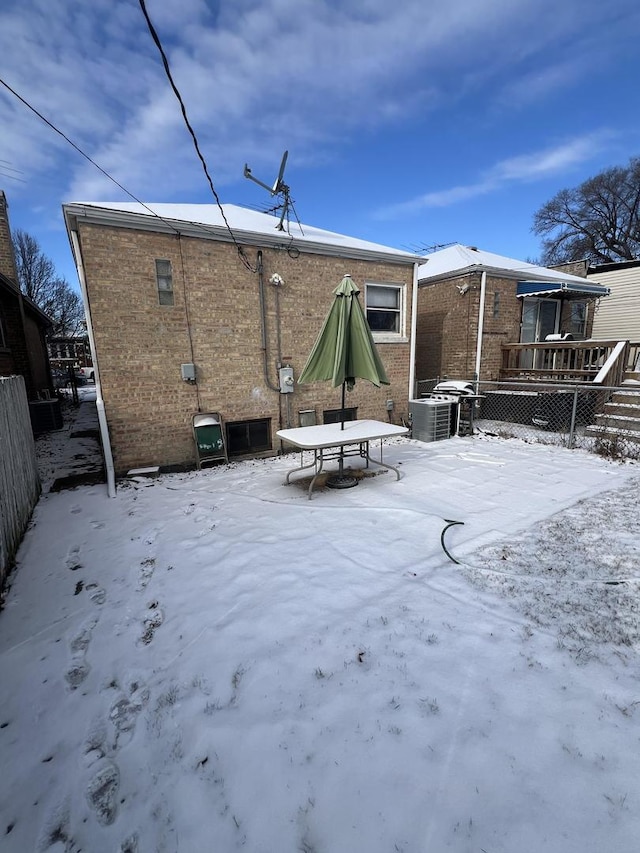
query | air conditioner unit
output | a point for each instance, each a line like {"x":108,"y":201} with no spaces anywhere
{"x":431,"y":419}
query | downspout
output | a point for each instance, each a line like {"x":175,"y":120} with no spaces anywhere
{"x":414,"y":326}
{"x":483,"y":289}
{"x":102,"y":418}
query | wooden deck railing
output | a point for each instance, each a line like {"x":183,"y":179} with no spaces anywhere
{"x":570,"y":361}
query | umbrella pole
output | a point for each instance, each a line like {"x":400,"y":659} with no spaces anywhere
{"x":341,"y":463}
{"x":340,"y":480}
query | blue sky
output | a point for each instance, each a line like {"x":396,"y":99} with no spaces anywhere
{"x":412,"y":123}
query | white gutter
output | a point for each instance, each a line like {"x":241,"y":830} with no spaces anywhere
{"x":483,"y":289}
{"x":337,"y":247}
{"x":414,"y":324}
{"x":102,"y":418}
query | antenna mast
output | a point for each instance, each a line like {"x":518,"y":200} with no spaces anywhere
{"x":279,"y":188}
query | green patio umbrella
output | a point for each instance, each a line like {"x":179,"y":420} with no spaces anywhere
{"x":344,"y":350}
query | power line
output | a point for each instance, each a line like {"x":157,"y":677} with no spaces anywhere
{"x":50,"y":124}
{"x":165,"y":62}
{"x":80,"y":151}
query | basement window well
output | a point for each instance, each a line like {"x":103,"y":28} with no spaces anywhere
{"x":245,"y":437}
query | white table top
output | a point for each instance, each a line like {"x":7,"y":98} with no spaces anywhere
{"x":331,"y":435}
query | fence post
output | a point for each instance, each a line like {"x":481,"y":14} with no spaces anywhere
{"x":574,"y":411}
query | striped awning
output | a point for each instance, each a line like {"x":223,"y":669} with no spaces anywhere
{"x":564,"y":289}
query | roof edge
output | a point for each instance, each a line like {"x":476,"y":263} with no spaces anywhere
{"x":74,"y":212}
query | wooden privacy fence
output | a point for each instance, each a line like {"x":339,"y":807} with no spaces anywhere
{"x":19,"y":480}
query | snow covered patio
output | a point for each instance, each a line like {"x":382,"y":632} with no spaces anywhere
{"x":212,"y":662}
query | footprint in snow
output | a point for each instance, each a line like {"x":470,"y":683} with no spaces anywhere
{"x":152,"y":620}
{"x":81,"y":639}
{"x":130,"y":844}
{"x":125,"y":711}
{"x":73,"y":561}
{"x":55,"y":834}
{"x":102,"y":790}
{"x":96,"y":593}
{"x":147,"y":568}
{"x":95,"y":742}
{"x":79,"y":667}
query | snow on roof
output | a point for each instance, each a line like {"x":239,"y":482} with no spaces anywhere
{"x":249,"y":226}
{"x":457,"y":260}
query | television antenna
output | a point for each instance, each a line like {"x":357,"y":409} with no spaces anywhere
{"x":279,"y":188}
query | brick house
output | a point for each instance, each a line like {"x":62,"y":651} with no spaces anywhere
{"x":186,"y":315}
{"x":520,"y":302}
{"x":69,"y":352}
{"x":23,"y":325}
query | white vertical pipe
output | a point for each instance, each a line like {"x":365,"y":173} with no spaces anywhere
{"x":102,"y":417}
{"x":483,"y":289}
{"x":412,"y":340}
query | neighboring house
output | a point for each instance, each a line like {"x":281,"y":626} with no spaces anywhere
{"x":471,"y":303}
{"x":619,"y":315}
{"x":69,"y":352}
{"x":181,"y":321}
{"x":23,"y":325}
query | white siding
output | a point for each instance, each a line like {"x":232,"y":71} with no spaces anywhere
{"x":618,"y":315}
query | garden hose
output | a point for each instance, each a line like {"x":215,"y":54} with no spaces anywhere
{"x":450,"y":523}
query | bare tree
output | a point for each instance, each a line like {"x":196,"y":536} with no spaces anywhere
{"x":597,"y":221}
{"x":51,"y":293}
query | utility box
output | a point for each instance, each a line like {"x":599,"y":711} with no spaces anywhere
{"x":430,"y":419}
{"x":208,"y":432}
{"x":285,"y":375}
{"x":188,"y":372}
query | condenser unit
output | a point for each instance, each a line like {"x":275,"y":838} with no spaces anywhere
{"x":431,"y":419}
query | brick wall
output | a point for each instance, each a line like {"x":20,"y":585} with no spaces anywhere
{"x":140,"y":344}
{"x":447,"y":326}
{"x":7,"y":258}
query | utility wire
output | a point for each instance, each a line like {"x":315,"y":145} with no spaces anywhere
{"x":86,"y":156}
{"x":176,"y":92}
{"x":50,"y":124}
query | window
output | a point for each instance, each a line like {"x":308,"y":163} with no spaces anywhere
{"x":384,"y":306}
{"x":336,"y":416}
{"x":245,"y":437}
{"x":165,"y":282}
{"x":496,"y":303}
{"x":578,"y":321}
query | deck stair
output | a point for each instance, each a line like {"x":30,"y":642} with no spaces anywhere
{"x":621,"y":416}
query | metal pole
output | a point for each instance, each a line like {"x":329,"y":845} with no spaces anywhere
{"x":573,"y":418}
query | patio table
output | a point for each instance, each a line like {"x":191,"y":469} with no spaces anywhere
{"x":328,"y":441}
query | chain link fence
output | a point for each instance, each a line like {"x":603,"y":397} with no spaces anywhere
{"x":604,"y":420}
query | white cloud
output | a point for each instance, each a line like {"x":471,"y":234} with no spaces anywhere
{"x":520,"y":169}
{"x":257,"y":76}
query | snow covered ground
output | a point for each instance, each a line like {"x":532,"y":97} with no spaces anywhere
{"x":212,"y":662}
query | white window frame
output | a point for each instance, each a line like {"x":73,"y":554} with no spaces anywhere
{"x":390,"y":337}
{"x":4,"y":343}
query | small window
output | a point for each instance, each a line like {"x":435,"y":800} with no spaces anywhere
{"x":165,"y":282}
{"x":3,"y":335}
{"x":496,"y":304}
{"x":384,"y":305}
{"x":244,"y":437}
{"x":578,"y":322}
{"x":336,"y":416}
